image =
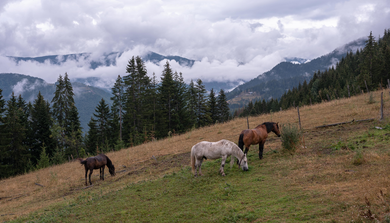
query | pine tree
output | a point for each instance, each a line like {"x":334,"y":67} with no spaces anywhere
{"x":5,"y":140}
{"x":116,"y":109}
{"x":212,"y":104}
{"x":166,"y":92}
{"x":102,"y":115}
{"x":202,"y":110}
{"x":180,"y":120}
{"x":41,"y":124}
{"x":17,"y":151}
{"x":222,"y":107}
{"x":59,"y":104}
{"x":44,"y":160}
{"x":192,"y":103}
{"x":137,"y":107}
{"x":91,"y":137}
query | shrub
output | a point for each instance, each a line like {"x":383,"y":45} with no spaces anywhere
{"x":290,"y":138}
{"x":358,"y":159}
{"x":371,"y":99}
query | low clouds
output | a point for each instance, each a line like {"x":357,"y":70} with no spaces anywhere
{"x":229,"y":39}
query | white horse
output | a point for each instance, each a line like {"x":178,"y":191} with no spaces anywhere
{"x":214,"y":150}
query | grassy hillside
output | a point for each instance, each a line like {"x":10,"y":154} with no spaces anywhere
{"x":328,"y":179}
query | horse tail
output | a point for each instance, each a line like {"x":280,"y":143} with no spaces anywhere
{"x":241,"y":141}
{"x":193,"y":160}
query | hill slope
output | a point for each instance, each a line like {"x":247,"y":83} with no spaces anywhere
{"x":319,"y":183}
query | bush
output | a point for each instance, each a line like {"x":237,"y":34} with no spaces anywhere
{"x":358,"y":159}
{"x":371,"y":99}
{"x":290,"y":138}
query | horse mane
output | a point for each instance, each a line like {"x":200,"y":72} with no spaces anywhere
{"x":268,"y":125}
{"x":109,"y":163}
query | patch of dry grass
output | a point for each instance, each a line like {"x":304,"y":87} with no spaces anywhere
{"x":334,"y":176}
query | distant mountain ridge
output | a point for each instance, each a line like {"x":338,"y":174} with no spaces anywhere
{"x":104,"y":60}
{"x":86,"y":97}
{"x":288,"y":74}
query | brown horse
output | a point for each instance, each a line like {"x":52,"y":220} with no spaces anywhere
{"x":97,"y":162}
{"x":257,"y":135}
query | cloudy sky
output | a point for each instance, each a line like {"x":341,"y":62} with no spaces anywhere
{"x":230,"y":39}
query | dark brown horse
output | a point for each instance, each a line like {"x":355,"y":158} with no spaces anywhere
{"x":257,"y":135}
{"x":97,"y":162}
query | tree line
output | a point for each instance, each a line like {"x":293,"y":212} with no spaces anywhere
{"x":38,"y":134}
{"x":365,"y":70}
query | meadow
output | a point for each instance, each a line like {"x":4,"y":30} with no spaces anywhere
{"x":337,"y":174}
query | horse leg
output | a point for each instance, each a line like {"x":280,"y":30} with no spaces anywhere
{"x":200,"y":166}
{"x":102,"y":172}
{"x":86,"y":172}
{"x":222,"y":165}
{"x":90,"y":174}
{"x":261,"y":148}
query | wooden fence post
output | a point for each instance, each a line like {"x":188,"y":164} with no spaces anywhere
{"x":299,"y":118}
{"x":366,"y":86}
{"x":328,"y":97}
{"x":310,"y":101}
{"x":381,"y":106}
{"x":349,"y":95}
{"x":247,"y":121}
{"x":388,"y":83}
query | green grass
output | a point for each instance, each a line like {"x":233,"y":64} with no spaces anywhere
{"x":179,"y":197}
{"x":265,"y":193}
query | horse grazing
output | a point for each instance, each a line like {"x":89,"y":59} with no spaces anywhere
{"x":214,"y":150}
{"x":257,"y":135}
{"x":97,"y":162}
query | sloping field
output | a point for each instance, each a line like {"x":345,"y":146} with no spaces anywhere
{"x":333,"y":175}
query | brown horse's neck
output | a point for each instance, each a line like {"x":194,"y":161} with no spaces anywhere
{"x":267,"y":125}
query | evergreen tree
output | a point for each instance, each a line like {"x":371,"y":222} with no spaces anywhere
{"x":59,"y":104}
{"x":102,"y":115}
{"x":92,"y":137}
{"x":212,"y":104}
{"x":181,"y":119}
{"x":41,"y":124}
{"x":17,"y":151}
{"x":192,"y":103}
{"x":44,"y":160}
{"x":137,"y":107}
{"x":202,"y":109}
{"x":222,"y":107}
{"x":166,"y":92}
{"x":116,"y":109}
{"x":5,"y":140}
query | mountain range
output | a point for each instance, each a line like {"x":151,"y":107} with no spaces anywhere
{"x":286,"y":75}
{"x":271,"y":84}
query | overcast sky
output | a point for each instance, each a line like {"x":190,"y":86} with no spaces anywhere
{"x":230,"y":39}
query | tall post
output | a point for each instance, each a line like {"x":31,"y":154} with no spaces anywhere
{"x":388,"y":83}
{"x":349,"y":95}
{"x":381,"y":106}
{"x":299,"y":118}
{"x":247,"y":121}
{"x":366,"y":86}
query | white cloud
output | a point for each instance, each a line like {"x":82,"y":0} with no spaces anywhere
{"x":228,"y":38}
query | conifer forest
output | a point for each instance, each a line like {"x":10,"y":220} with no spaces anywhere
{"x":43,"y":133}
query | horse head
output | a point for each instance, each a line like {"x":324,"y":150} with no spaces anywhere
{"x":111,"y":169}
{"x":275,"y":129}
{"x":243,"y":163}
